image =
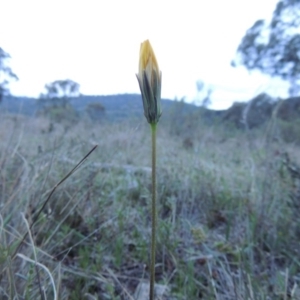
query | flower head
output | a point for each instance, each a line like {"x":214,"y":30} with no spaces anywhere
{"x":149,"y":78}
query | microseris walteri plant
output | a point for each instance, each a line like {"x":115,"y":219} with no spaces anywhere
{"x":149,"y":78}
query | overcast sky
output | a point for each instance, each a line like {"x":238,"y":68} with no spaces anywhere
{"x":96,"y":43}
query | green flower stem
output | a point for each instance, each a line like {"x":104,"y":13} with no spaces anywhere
{"x":154,"y":214}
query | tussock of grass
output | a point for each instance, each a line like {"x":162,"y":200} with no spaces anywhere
{"x":228,"y":212}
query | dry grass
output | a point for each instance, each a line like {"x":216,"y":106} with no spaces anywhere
{"x":228,"y":212}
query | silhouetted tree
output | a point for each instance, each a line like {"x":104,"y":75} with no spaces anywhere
{"x":274,"y":48}
{"x":60,"y":91}
{"x":54,"y":101}
{"x":6,"y":74}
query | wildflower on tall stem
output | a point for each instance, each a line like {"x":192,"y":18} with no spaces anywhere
{"x":149,"y":78}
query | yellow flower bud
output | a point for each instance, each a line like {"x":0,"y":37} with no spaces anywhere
{"x":149,"y":78}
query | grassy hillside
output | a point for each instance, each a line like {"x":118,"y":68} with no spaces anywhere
{"x":228,"y":209}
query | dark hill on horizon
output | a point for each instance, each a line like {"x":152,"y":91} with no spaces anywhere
{"x":121,"y":104}
{"x":118,"y":107}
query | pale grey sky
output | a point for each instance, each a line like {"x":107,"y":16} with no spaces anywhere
{"x":96,"y":43}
